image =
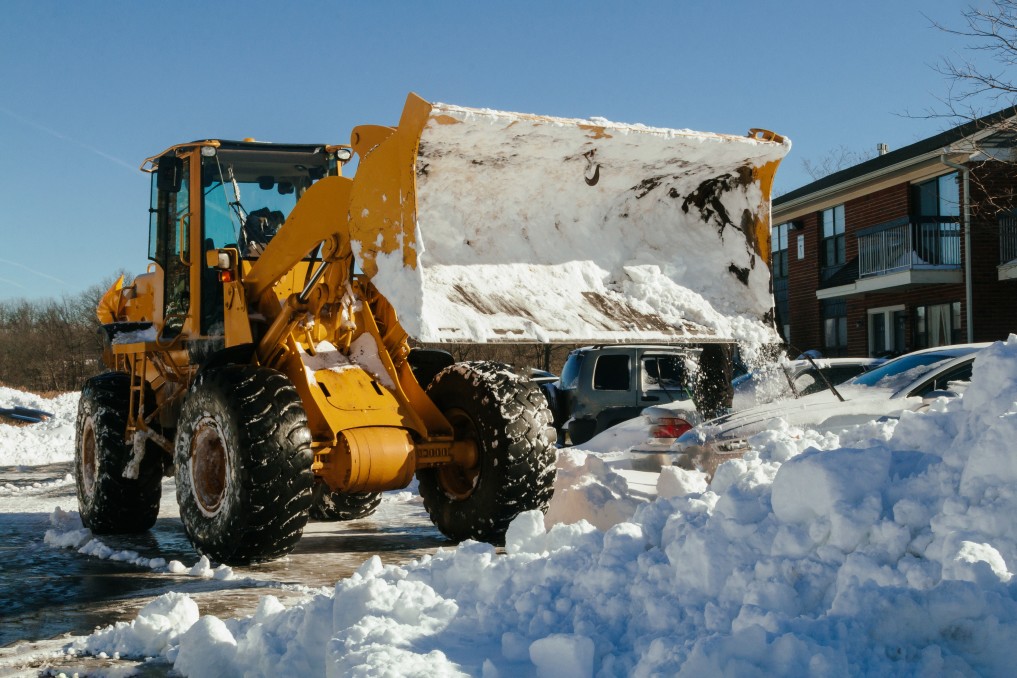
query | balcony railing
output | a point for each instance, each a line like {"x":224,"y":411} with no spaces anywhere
{"x":906,"y":245}
{"x":1007,"y":238}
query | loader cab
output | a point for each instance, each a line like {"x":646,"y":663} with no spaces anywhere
{"x":211,"y":195}
{"x":248,"y":190}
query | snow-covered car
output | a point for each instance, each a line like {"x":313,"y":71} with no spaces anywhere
{"x":908,"y":383}
{"x":795,"y":379}
{"x":780,"y":381}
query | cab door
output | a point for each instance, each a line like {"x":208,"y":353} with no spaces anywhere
{"x":169,"y":240}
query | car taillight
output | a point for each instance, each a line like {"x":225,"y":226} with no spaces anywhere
{"x":670,"y":427}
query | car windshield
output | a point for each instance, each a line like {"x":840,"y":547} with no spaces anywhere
{"x":903,"y":370}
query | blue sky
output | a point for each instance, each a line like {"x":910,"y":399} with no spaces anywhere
{"x":88,"y":90}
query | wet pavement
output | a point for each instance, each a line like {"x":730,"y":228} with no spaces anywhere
{"x":48,"y":592}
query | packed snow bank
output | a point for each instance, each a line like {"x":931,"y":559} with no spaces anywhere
{"x":887,"y":552}
{"x":47,"y":442}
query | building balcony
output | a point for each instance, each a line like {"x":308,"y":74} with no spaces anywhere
{"x":1008,"y":247}
{"x":908,"y":245}
{"x":904,"y":253}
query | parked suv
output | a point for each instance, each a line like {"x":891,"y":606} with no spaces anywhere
{"x":601,"y":386}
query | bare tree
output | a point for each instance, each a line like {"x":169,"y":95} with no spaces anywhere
{"x":982,"y":93}
{"x":521,"y":356}
{"x":50,"y":344}
{"x":975,"y":86}
{"x":834,"y":161}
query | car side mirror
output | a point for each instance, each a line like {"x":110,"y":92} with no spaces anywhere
{"x":932,"y":395}
{"x":169,"y":174}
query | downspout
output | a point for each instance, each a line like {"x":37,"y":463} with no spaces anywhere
{"x":969,"y":312}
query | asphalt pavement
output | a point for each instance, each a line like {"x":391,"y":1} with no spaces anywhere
{"x":49,"y":593}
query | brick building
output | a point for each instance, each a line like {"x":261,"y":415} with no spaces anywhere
{"x":873,"y":259}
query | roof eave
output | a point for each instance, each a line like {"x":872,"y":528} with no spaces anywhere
{"x":914,"y":168}
{"x":919,"y":167}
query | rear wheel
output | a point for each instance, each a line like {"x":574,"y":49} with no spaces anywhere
{"x":330,"y":506}
{"x":508,"y":419}
{"x":581,"y":430}
{"x":108,"y":502}
{"x":243,"y":464}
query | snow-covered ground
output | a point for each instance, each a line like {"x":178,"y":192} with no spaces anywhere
{"x":889,"y":549}
{"x":43,"y":443}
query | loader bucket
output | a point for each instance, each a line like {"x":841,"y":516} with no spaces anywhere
{"x":487,"y":226}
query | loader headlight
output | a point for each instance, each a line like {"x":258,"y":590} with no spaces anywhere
{"x":344,"y":154}
{"x":208,"y":151}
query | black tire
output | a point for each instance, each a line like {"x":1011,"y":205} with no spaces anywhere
{"x":243,"y":465}
{"x":108,"y":502}
{"x":582,"y":430}
{"x":426,"y":363}
{"x":331,"y":506}
{"x":508,"y":418}
{"x":555,"y":403}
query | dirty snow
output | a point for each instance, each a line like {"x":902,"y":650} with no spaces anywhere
{"x":886,"y":549}
{"x":513,"y":214}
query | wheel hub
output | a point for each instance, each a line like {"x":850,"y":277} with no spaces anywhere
{"x":88,"y":470}
{"x":458,"y":482}
{"x":209,"y":466}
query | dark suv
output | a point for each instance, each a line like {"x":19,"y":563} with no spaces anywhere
{"x":601,"y":386}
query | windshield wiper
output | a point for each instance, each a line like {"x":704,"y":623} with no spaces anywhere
{"x":822,"y":376}
{"x":237,"y":207}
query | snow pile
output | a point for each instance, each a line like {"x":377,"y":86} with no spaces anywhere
{"x":34,"y":489}
{"x":591,"y":487}
{"x":513,"y":212}
{"x":67,"y":532}
{"x":890,"y":551}
{"x":46,"y":442}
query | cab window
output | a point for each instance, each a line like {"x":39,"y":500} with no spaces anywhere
{"x":667,"y":373}
{"x":246,"y":213}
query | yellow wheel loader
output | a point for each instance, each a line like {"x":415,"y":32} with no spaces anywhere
{"x":265,"y":358}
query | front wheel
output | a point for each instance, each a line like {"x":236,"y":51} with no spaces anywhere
{"x":243,"y":464}
{"x":108,"y":502}
{"x":507,"y":417}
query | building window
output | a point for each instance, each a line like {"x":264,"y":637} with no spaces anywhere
{"x":939,"y":197}
{"x":938,"y":325}
{"x":778,"y":250}
{"x":936,"y":208}
{"x":887,"y":331}
{"x":834,"y":327}
{"x":832,"y":247}
{"x":778,"y":266}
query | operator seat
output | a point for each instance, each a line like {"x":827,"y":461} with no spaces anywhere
{"x":261,"y":225}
